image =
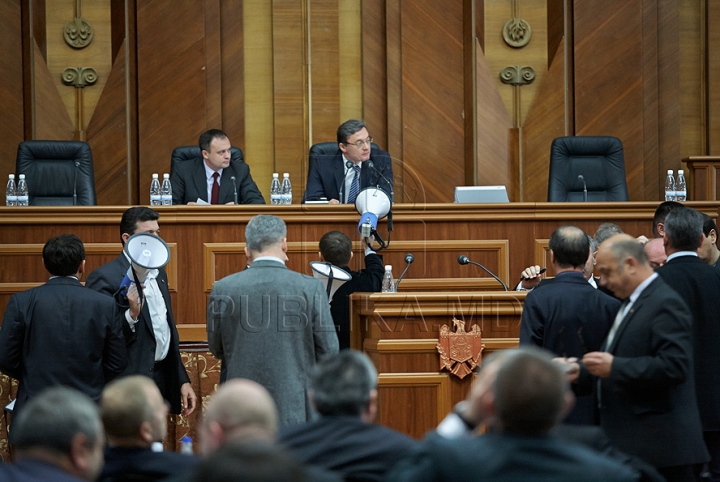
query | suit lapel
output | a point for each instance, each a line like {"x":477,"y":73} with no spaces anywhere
{"x":200,"y":180}
{"x":226,"y":185}
{"x":145,"y":311}
{"x":338,"y":170}
{"x":637,"y":306}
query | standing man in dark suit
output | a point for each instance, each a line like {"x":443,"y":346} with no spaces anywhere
{"x":646,"y":390}
{"x":340,"y":177}
{"x":61,"y":333}
{"x":336,"y":248}
{"x":210,"y":178}
{"x":699,"y":285}
{"x":709,"y":251}
{"x":152,"y":338}
{"x":568,"y":316}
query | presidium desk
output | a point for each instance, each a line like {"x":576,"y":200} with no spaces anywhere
{"x":399,"y":331}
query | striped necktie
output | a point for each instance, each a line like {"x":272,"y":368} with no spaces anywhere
{"x":355,"y":186}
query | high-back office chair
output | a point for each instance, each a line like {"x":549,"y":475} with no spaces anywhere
{"x":55,"y":171}
{"x":599,"y":159}
{"x":189,"y":153}
{"x":328,"y":148}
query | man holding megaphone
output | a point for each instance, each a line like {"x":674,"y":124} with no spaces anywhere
{"x":148,"y":323}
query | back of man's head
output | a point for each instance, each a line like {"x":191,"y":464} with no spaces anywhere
{"x":348,"y":128}
{"x":132,"y":411}
{"x":256,"y":462}
{"x":684,"y":229}
{"x":342,"y":384}
{"x":336,"y":248}
{"x":530,"y":392}
{"x":264,"y":231}
{"x":240,"y":409}
{"x":207,"y":137}
{"x":661,"y":213}
{"x":604,"y":231}
{"x":570,"y":246}
{"x":60,"y":424}
{"x":63,"y":255}
{"x":708,"y":225}
{"x":131,"y":217}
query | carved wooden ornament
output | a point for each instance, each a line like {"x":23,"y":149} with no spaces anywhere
{"x":460,"y":351}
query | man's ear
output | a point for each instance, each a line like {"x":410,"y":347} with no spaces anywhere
{"x":205,"y":154}
{"x":125,"y":237}
{"x":342,"y":147}
{"x":80,"y":453}
{"x":660,"y":229}
{"x":371,"y":412}
{"x":284,"y":245}
{"x":321,"y":256}
{"x":146,"y":432}
{"x":351,"y":255}
{"x":81,"y":270}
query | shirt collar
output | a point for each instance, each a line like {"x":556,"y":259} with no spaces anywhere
{"x":681,"y":253}
{"x":269,"y":258}
{"x":641,"y":287}
{"x":209,"y":172}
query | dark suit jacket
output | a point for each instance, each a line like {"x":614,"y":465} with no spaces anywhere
{"x":365,"y":280}
{"x":144,"y":462}
{"x":569,"y":318}
{"x":189,"y":183}
{"x":326,"y":175}
{"x":699,"y":285}
{"x":511,"y":458}
{"x":648,"y":405}
{"x":61,"y":333}
{"x":34,"y":470}
{"x":141,"y":343}
{"x":346,"y":445}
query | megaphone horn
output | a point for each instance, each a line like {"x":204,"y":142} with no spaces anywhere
{"x":146,"y":251}
{"x":331,"y":276}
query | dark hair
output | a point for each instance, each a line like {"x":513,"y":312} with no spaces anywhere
{"x":207,"y":137}
{"x":349,"y":128}
{"x":53,"y":418}
{"x":684,"y":229}
{"x":135,"y":215}
{"x":63,"y":255}
{"x":661,"y":213}
{"x":258,"y":461}
{"x":529,"y":391}
{"x":570,"y":246}
{"x":708,"y":225}
{"x":341,"y":384}
{"x":605,"y":231}
{"x":336,"y":248}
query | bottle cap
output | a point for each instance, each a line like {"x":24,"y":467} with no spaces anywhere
{"x":166,"y":176}
{"x":155,"y":175}
{"x":388,"y":267}
{"x":186,"y":439}
{"x":22,"y":176}
{"x":275,"y":174}
{"x":286,"y":174}
{"x":12,"y":176}
{"x":680,"y":171}
{"x":670,"y":171}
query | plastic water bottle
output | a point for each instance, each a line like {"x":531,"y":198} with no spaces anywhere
{"x":275,"y":192}
{"x":670,"y":186}
{"x":388,"y":284}
{"x":23,"y":198}
{"x":155,"y":193}
{"x":10,"y":192}
{"x":286,"y":189}
{"x":681,"y":187}
{"x":186,"y":445}
{"x":166,"y":191}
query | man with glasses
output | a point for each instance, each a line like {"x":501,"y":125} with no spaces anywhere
{"x":341,"y":176}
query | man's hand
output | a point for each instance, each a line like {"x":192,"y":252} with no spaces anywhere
{"x":231,"y":203}
{"x":571,"y":367}
{"x":599,"y":363}
{"x":333,"y":201}
{"x":192,"y":203}
{"x":189,"y":400}
{"x":135,"y":302}
{"x":368,"y":242}
{"x":532,"y":277}
{"x":642,"y":239}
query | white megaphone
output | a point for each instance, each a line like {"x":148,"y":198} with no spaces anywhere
{"x":332,"y":276}
{"x":146,"y":251}
{"x":373,"y":204}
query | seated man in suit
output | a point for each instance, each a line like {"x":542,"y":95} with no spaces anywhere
{"x":343,"y":390}
{"x":336,"y":248}
{"x":57,"y":437}
{"x":211,"y":178}
{"x":340,"y":177}
{"x":520,"y":394}
{"x":135,"y":416}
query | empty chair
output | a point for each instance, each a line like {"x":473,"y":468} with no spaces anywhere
{"x":599,"y":159}
{"x":58,"y":173}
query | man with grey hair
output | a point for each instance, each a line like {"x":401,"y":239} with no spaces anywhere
{"x":269,"y":324}
{"x":57,"y":436}
{"x":699,"y":285}
{"x":343,"y":389}
{"x":339,"y":177}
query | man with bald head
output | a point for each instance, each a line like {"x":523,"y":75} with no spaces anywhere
{"x":655,"y":249}
{"x":646,"y":390}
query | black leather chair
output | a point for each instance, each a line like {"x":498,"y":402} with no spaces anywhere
{"x":599,"y":159}
{"x":54,"y":170}
{"x":328,"y":148}
{"x":189,"y":153}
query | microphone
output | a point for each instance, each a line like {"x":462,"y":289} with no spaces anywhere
{"x":582,"y":180}
{"x":232,"y":178}
{"x":371,"y":165}
{"x":542,"y":270}
{"x":349,"y":166}
{"x":462,"y":259}
{"x":77,"y":165}
{"x":409,"y":258}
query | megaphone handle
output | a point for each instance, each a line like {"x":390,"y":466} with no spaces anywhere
{"x":379,"y":239}
{"x":329,"y":284}
{"x":137,"y":284}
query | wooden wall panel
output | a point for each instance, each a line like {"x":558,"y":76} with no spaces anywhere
{"x":691,"y":70}
{"x":11,"y":84}
{"x":325,"y":69}
{"x":432,"y":94}
{"x":233,"y":73}
{"x":374,"y":71}
{"x":609,"y":100}
{"x":50,"y":118}
{"x":350,"y":50}
{"x":713,"y":76}
{"x":664,"y":153}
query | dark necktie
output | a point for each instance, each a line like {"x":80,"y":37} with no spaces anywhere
{"x":215,"y":198}
{"x":355,"y":186}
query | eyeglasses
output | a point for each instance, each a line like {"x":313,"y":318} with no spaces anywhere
{"x":359,"y":144}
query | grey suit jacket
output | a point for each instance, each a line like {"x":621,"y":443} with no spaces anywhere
{"x":270,"y":324}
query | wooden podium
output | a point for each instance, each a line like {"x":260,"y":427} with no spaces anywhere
{"x":399,"y":331}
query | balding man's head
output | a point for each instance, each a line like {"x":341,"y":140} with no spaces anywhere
{"x":622,"y":264}
{"x":239,"y":409}
{"x":655,"y":250}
